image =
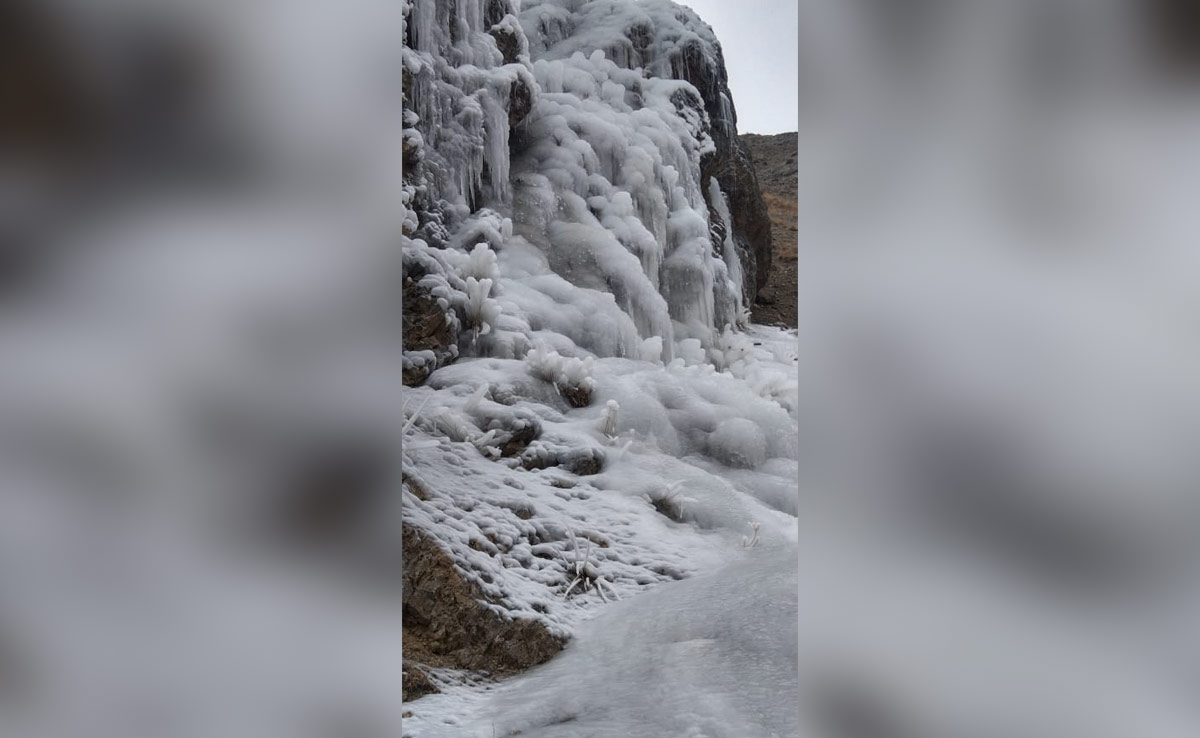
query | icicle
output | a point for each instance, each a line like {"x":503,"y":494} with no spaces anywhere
{"x":729,"y":249}
{"x":424,"y":20}
{"x":726,"y":110}
{"x":496,"y":131}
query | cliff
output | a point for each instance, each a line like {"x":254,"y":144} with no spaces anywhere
{"x":591,"y":147}
{"x":775,"y":164}
{"x":583,"y":236}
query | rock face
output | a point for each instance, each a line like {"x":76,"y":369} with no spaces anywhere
{"x":732,"y":165}
{"x":775,"y":164}
{"x":426,"y":331}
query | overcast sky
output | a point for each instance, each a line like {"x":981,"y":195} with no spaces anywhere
{"x":759,"y":40}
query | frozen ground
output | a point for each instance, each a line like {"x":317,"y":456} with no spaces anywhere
{"x":687,"y":493}
{"x":711,"y":656}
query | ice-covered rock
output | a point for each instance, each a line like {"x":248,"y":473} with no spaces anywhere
{"x":603,"y":137}
{"x":669,"y":41}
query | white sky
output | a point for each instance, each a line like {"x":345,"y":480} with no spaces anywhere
{"x":759,"y":39}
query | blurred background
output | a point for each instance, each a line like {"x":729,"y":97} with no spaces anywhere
{"x":999,"y":311}
{"x":998,"y":332}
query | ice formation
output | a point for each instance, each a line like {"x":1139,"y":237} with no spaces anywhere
{"x":208,"y":459}
{"x":569,"y":141}
{"x":568,"y":208}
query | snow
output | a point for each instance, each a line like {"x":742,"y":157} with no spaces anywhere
{"x":665,"y":507}
{"x":738,"y":442}
{"x":667,"y":411}
{"x":637,"y":669}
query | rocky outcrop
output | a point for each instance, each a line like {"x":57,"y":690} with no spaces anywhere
{"x":428,"y":330}
{"x":775,"y":166}
{"x":731,"y":164}
{"x":447,"y":622}
{"x":732,"y":167}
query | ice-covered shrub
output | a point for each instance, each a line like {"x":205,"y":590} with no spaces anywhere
{"x":570,"y":375}
{"x":488,"y":443}
{"x":608,"y":425}
{"x":543,"y":363}
{"x":515,"y":427}
{"x":481,"y":263}
{"x":752,"y":541}
{"x":586,"y":573}
{"x":482,"y":311}
{"x":669,"y":500}
{"x":452,"y":425}
{"x":410,"y":421}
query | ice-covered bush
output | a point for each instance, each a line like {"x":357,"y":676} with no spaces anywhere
{"x":570,"y":375}
{"x":481,"y":263}
{"x":543,"y":363}
{"x":482,"y":311}
{"x":608,"y":425}
{"x":669,"y":500}
{"x":586,"y":573}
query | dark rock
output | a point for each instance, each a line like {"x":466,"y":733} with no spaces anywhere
{"x":508,"y":41}
{"x":734,"y":170}
{"x":641,"y":37}
{"x":424,"y":326}
{"x":520,"y":440}
{"x":579,"y":461}
{"x":520,"y":102}
{"x":447,"y":623}
{"x":584,"y":462}
{"x":495,"y":10}
{"x":576,"y":396}
{"x":669,"y":508}
{"x":517,"y":430}
{"x":412,"y":152}
{"x":775,"y":167}
{"x":731,"y":164}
